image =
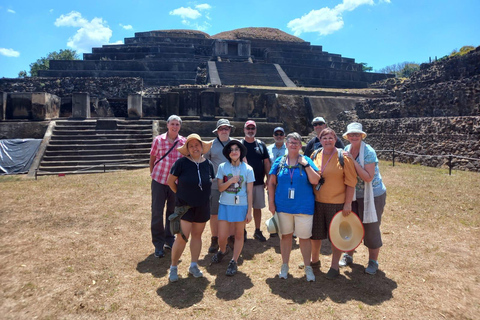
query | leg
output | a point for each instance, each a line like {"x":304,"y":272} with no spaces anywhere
{"x":159,"y":196}
{"x":196,"y":240}
{"x":169,"y":237}
{"x":306,"y":250}
{"x":315,"y":247}
{"x":373,"y":254}
{"x":179,"y":244}
{"x":214,"y":225}
{"x":336,"y":254}
{"x":257,"y":216}
{"x":286,"y":247}
{"x":239,"y":227}
{"x":223,"y":233}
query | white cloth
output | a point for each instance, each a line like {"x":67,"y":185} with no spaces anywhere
{"x":369,"y":212}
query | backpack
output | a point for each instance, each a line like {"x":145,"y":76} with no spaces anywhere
{"x":175,"y":217}
{"x":340,"y":155}
{"x":283,"y":164}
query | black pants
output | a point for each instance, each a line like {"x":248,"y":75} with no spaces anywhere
{"x":161,"y":234}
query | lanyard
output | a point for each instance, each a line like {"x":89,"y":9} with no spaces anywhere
{"x":291,"y":170}
{"x":324,"y":166}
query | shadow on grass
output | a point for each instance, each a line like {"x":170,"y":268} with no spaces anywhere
{"x":184,"y":293}
{"x":158,"y":267}
{"x":352,"y":285}
{"x":229,"y":288}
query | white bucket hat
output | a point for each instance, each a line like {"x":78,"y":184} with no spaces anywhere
{"x":346,"y":233}
{"x":354,"y":127}
{"x":273,"y":225}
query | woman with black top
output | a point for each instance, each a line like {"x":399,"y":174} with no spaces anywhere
{"x":191,"y":179}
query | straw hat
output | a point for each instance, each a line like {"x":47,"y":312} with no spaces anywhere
{"x":205,"y":144}
{"x":354,"y":127}
{"x":346,"y":233}
{"x":273,"y":225}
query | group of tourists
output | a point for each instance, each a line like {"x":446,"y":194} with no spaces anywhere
{"x":223,"y":181}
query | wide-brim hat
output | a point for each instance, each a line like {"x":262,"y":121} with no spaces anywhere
{"x":273,"y":225}
{"x":205,"y":144}
{"x":346,"y":233}
{"x":223,"y":123}
{"x":354,"y":127}
{"x":226,"y":149}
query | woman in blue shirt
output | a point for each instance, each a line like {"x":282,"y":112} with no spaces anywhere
{"x":290,"y":196}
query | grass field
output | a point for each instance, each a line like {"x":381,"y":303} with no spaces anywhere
{"x":79,"y":247}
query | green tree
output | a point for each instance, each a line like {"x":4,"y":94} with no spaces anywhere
{"x":401,"y":70}
{"x":463,"y":50}
{"x":22,"y":74}
{"x":365,"y":68}
{"x":44,"y":62}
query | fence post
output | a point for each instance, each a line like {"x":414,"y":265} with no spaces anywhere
{"x":450,"y":165}
{"x":393,"y":156}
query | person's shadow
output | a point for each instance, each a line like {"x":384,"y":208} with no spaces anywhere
{"x":229,"y":288}
{"x":158,"y":267}
{"x":184,"y":293}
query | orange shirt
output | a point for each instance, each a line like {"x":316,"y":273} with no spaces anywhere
{"x":336,"y":178}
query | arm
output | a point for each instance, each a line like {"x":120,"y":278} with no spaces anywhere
{"x":266,"y":166}
{"x":171,"y":182}
{"x":152,"y":162}
{"x":248,"y":218}
{"x":313,"y":176}
{"x":367,"y":173}
{"x":222,"y":186}
{"x":347,"y":206}
{"x":272,"y":185}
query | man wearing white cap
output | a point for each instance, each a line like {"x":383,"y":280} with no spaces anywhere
{"x":258,"y":159}
{"x":277,"y":149}
{"x":319,"y":124}
{"x":215,"y":154}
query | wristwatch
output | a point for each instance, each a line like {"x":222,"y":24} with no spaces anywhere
{"x":307,"y":165}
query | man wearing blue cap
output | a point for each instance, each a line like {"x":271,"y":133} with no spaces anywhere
{"x":278,"y":148}
{"x":319,"y":124}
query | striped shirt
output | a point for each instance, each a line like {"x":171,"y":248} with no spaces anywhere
{"x":160,"y":146}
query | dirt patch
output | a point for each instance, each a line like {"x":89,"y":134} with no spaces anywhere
{"x":79,"y":247}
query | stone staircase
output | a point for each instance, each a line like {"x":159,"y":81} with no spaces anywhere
{"x":92,"y":146}
{"x":253,"y":74}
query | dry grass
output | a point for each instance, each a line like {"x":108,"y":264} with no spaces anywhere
{"x":79,"y":247}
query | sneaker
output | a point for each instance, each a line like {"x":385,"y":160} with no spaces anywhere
{"x":232,"y":268}
{"x":372,"y":267}
{"x":332,"y":274}
{"x":309,"y":274}
{"x":167,"y":246}
{"x":315,"y":265}
{"x":194,"y":271}
{"x":283,"y":271}
{"x":274,"y":235}
{"x":346,"y":260}
{"x":217,"y":257}
{"x":159,"y":253}
{"x":213,"y":245}
{"x":231,"y":242}
{"x":173,"y":275}
{"x":259,"y":236}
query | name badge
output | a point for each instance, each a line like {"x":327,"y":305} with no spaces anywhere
{"x":291,"y":193}
{"x":237,"y":199}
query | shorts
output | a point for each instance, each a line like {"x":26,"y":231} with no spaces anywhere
{"x":232,"y":213}
{"x":322,"y":217}
{"x":198,"y":214}
{"x":373,"y":236}
{"x":214,"y":198}
{"x":299,"y":223}
{"x":258,"y":196}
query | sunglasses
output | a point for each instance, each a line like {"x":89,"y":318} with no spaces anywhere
{"x":278,"y":134}
{"x":251,"y":128}
{"x":318,"y":124}
{"x":223,"y":128}
{"x":354,"y":135}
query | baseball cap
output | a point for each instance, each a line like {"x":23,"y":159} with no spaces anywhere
{"x":318,"y":119}
{"x":250,"y":123}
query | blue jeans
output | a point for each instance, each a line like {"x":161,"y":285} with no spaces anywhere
{"x":161,"y":234}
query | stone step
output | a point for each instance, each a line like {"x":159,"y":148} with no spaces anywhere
{"x":93,"y":162}
{"x":147,"y":75}
{"x":89,"y":169}
{"x":100,"y":141}
{"x":145,"y":49}
{"x":128,"y":65}
{"x":97,"y":148}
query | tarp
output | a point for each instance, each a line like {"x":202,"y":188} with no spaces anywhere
{"x":16,"y":155}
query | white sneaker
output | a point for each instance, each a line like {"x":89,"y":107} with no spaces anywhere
{"x":283,"y":271}
{"x":309,"y":274}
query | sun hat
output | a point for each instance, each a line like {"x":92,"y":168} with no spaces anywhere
{"x":273,"y":225}
{"x":318,"y":119}
{"x":223,"y":123}
{"x":205,"y":144}
{"x":226,"y":149}
{"x":278,"y":129}
{"x":250,"y":122}
{"x":346,"y":233}
{"x":354,"y":127}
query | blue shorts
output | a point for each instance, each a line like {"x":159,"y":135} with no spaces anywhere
{"x":232,"y":213}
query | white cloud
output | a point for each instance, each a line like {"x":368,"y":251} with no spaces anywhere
{"x":9,"y":52}
{"x":186,"y":13}
{"x":90,"y":34}
{"x":51,"y":10}
{"x":126,"y":27}
{"x":10,"y":11}
{"x":203,"y":6}
{"x":326,"y":20}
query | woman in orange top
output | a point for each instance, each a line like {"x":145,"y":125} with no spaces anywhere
{"x":337,"y":185}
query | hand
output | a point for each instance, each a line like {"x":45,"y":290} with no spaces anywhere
{"x":234,"y":179}
{"x":347,"y":209}
{"x":302,"y":161}
{"x":272,"y":208}
{"x":248,"y":218}
{"x":347,"y":154}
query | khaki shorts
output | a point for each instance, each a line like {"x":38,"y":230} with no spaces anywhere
{"x":258,"y":197}
{"x":299,"y":223}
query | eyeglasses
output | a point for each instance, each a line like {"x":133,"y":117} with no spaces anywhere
{"x":318,"y":124}
{"x":354,"y":135}
{"x":294,"y":143}
{"x":251,"y":128}
{"x":278,"y":134}
{"x":234,"y":149}
{"x":223,"y":128}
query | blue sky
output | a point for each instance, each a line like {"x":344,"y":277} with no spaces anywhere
{"x":377,"y":32}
